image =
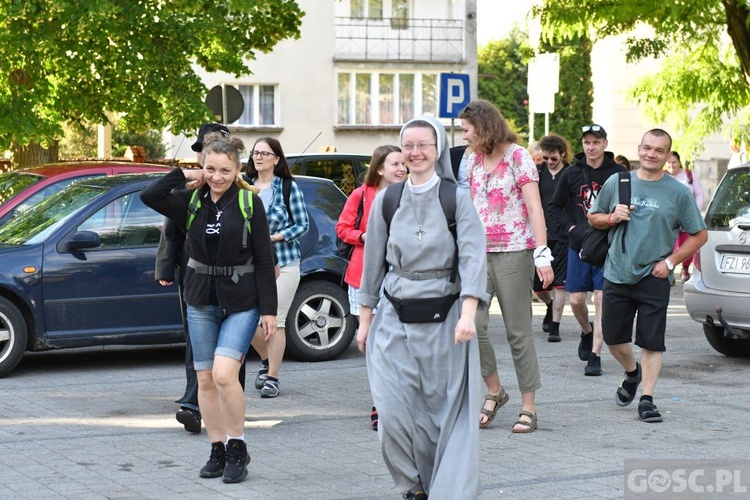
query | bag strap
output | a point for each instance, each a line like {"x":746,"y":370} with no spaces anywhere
{"x":624,"y":189}
{"x":193,"y":207}
{"x":360,"y":211}
{"x":286,"y":191}
{"x":246,"y":207}
{"x":447,"y":196}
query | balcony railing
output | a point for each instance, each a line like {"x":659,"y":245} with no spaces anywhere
{"x":392,"y":39}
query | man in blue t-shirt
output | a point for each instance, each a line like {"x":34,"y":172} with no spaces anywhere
{"x":638,"y":278}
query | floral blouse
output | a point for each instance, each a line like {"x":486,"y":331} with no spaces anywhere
{"x":498,"y":199}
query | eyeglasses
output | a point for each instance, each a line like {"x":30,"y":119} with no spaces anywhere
{"x":551,"y":158}
{"x":262,"y":154}
{"x":418,"y":147}
{"x":590,"y":128}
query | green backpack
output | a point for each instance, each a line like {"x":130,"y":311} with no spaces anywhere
{"x":245,"y":201}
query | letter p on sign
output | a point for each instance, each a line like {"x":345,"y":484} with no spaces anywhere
{"x":455,"y":94}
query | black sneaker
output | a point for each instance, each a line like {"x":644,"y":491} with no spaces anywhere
{"x":586,"y":344}
{"x":190,"y":418}
{"x":215,"y":465}
{"x":411,"y":495}
{"x":237,"y":460}
{"x":547,"y":319}
{"x":594,"y":366}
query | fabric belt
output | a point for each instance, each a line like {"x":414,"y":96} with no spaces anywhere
{"x":419,"y":276}
{"x":234,"y":271}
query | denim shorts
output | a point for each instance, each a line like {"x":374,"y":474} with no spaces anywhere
{"x":581,"y":276}
{"x":213,"y":333}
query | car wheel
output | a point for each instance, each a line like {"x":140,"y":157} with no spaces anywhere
{"x":12,"y":336}
{"x":726,"y":345}
{"x":318,"y":327}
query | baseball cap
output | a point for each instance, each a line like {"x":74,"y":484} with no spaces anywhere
{"x":207,"y":128}
{"x":595,"y":129}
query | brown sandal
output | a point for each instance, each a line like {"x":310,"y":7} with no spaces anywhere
{"x":499,"y":399}
{"x":530,"y":425}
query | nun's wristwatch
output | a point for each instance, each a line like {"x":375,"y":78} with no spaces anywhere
{"x":669,"y":264}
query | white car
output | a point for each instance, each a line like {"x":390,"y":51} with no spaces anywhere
{"x":718,"y":293}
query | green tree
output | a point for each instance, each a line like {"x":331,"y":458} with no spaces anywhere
{"x":71,"y":61}
{"x":705,"y":46}
{"x":502,"y":68}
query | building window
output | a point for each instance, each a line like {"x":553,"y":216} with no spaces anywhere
{"x":363,"y":98}
{"x":429,"y":95}
{"x":367,"y":9}
{"x":400,"y":14}
{"x":385,"y":98}
{"x":260,"y":105}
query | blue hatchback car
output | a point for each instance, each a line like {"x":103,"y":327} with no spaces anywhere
{"x":78,"y":270}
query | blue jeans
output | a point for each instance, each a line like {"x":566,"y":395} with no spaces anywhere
{"x":212,"y":333}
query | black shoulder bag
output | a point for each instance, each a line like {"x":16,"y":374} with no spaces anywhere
{"x":595,"y":244}
{"x":346,"y":249}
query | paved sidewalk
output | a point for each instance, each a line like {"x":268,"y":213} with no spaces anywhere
{"x":99,"y":423}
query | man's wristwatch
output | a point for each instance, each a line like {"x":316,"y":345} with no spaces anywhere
{"x":669,"y":264}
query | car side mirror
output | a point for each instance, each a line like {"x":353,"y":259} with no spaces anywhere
{"x":84,"y":239}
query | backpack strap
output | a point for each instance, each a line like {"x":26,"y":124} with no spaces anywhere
{"x":447,"y":196}
{"x":624,"y":199}
{"x":286,"y":190}
{"x":391,"y":201}
{"x":245,"y":200}
{"x":361,"y":211}
{"x":689,"y":174}
{"x":193,"y":207}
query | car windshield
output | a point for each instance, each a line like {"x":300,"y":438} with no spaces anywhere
{"x":12,"y":183}
{"x":731,"y":202}
{"x":35,"y":224}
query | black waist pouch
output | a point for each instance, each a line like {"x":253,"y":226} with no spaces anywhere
{"x":429,"y":310}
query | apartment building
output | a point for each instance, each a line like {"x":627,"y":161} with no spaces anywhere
{"x":359,"y":70}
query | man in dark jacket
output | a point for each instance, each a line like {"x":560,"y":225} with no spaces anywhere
{"x":574,"y":195}
{"x":556,"y":158}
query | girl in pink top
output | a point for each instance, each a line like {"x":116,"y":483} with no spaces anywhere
{"x":503,"y":182}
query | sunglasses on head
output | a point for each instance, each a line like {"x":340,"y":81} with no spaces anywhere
{"x":590,"y":128}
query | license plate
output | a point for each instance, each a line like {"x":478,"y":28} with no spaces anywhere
{"x":735,"y":263}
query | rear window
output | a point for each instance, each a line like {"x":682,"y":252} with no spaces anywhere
{"x":12,"y":183}
{"x":731,"y":202}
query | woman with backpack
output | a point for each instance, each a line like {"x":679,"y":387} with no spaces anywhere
{"x":425,"y":248}
{"x":269,"y":171}
{"x":229,"y":286}
{"x":386,"y":167}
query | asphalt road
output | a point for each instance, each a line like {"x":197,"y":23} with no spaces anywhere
{"x":99,"y":423}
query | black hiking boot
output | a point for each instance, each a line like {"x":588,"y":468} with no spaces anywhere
{"x":215,"y":465}
{"x":237,"y":460}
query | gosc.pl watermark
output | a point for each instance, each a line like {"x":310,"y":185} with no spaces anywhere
{"x":682,"y":479}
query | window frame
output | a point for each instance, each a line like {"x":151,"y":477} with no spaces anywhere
{"x":256,"y":111}
{"x":397,"y":112}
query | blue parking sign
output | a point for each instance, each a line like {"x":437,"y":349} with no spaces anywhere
{"x":455,"y":94}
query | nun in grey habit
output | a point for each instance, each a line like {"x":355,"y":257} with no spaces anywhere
{"x":424,"y":377}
